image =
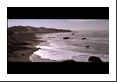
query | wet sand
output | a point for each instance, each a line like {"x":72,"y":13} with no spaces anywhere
{"x":24,"y":55}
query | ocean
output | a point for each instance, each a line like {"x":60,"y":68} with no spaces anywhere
{"x":79,"y":47}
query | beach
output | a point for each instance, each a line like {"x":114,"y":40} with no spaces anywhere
{"x":52,"y":45}
{"x":24,"y":55}
{"x":22,"y":41}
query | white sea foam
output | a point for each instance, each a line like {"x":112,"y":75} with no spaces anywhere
{"x":49,"y":52}
{"x":57,"y":48}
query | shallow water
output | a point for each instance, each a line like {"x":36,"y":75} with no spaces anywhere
{"x":57,"y":48}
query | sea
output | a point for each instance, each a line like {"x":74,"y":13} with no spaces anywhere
{"x":79,"y":46}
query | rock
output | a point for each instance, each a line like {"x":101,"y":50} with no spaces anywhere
{"x":66,"y":38}
{"x":73,"y":33}
{"x":39,"y":48}
{"x":38,"y":56}
{"x":50,"y":37}
{"x":83,"y":38}
{"x":88,"y":46}
{"x":94,"y":59}
{"x":69,"y":61}
{"x":22,"y":54}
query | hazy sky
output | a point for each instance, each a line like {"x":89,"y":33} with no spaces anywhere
{"x":71,"y":24}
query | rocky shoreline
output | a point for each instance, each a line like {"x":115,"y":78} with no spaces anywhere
{"x":20,"y":51}
{"x":22,"y":41}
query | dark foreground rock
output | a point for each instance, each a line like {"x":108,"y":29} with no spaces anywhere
{"x":66,"y":38}
{"x":69,"y":61}
{"x":88,"y":46}
{"x":83,"y":38}
{"x":94,"y":59}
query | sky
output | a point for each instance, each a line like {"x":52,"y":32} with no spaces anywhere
{"x":70,"y":24}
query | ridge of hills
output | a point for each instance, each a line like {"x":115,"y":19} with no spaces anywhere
{"x":31,"y":29}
